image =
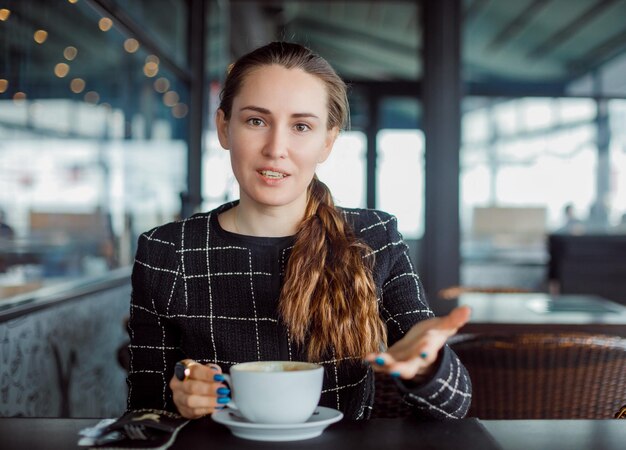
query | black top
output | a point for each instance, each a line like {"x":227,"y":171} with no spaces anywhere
{"x":204,"y":293}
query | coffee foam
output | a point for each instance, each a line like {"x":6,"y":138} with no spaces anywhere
{"x":275,"y":366}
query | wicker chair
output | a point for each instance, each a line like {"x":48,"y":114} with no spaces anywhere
{"x":388,"y":403}
{"x":544,"y":376}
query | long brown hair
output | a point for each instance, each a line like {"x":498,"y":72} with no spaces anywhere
{"x":328,"y":298}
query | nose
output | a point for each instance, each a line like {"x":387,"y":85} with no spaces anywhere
{"x":276,"y":146}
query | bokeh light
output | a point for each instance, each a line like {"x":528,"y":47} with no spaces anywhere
{"x":70,"y":53}
{"x":161,"y":85}
{"x":40,"y":36}
{"x":92,"y":97}
{"x":170,"y":98}
{"x":105,"y":24}
{"x":150,"y":69}
{"x":180,"y":110}
{"x":77,"y":85}
{"x":131,"y":45}
{"x":61,"y":70}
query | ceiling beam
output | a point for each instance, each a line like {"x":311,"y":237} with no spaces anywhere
{"x":473,"y":10}
{"x":387,"y":64}
{"x":517,"y":88}
{"x":569,"y":30}
{"x":517,"y":25}
{"x":365,"y":38}
{"x":599,"y":55}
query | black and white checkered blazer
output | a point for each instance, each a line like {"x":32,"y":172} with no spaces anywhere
{"x":204,"y":293}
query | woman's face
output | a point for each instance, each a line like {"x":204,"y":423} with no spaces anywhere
{"x":276,"y":135}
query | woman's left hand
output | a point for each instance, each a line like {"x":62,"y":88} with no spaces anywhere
{"x":413,"y":356}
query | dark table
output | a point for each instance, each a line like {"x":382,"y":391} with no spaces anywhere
{"x":538,"y":312}
{"x":379,"y":434}
{"x":558,"y":434}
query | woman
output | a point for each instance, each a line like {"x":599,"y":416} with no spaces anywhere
{"x":282,"y":274}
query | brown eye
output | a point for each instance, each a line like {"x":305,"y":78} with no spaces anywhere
{"x":302,"y":127}
{"x":255,"y":121}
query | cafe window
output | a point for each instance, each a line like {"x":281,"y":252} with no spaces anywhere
{"x":617,"y":119}
{"x":400,"y":179}
{"x":541,"y":131}
{"x":400,"y":164}
{"x":344,"y":170}
{"x":93,"y":143}
{"x":528,"y":152}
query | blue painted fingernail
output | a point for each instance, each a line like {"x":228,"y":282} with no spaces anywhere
{"x":423,"y":355}
{"x":218,"y":377}
{"x":223,"y":400}
{"x":379,"y":361}
{"x":395,"y":374}
{"x":223,"y":391}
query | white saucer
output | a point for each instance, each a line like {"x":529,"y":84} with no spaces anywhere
{"x":240,"y":427}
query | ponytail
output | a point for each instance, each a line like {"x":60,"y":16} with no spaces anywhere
{"x":329,"y":296}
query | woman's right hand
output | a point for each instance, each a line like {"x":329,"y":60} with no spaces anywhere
{"x":202,"y":392}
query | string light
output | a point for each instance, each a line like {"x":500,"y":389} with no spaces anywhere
{"x":61,"y":70}
{"x":131,"y":45}
{"x":73,"y":1}
{"x":77,"y":85}
{"x":92,"y":97}
{"x":70,"y":53}
{"x":180,"y":110}
{"x":152,"y":59}
{"x":19,"y":96}
{"x":105,"y":24}
{"x":40,"y":36}
{"x":4,"y":14}
{"x":150,"y":69}
{"x":170,"y":98}
{"x":4,"y":85}
{"x":161,"y":85}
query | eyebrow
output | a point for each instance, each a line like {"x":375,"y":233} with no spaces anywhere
{"x":267,"y":111}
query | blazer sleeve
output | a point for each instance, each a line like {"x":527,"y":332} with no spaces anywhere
{"x":154,"y":339}
{"x":403,"y":303}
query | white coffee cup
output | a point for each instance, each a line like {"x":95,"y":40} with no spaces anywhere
{"x":275,"y":391}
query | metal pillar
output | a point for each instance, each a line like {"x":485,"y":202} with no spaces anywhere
{"x":371,"y":132}
{"x":196,"y":44}
{"x":599,"y":214}
{"x":440,"y":260}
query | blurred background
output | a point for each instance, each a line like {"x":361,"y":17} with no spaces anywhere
{"x":493,"y":130}
{"x":107,"y":106}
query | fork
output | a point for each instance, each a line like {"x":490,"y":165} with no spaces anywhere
{"x":135,"y":432}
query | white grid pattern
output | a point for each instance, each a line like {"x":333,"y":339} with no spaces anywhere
{"x":225,"y":309}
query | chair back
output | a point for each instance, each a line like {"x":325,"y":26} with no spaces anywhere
{"x":544,"y":376}
{"x":388,"y":402}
